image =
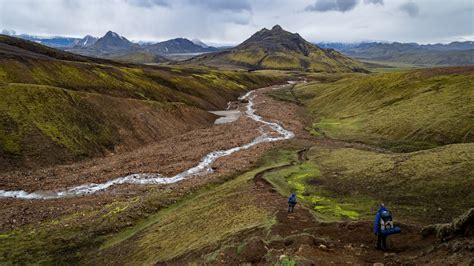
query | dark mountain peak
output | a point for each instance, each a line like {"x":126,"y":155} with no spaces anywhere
{"x":111,"y":34}
{"x":277,"y":40}
{"x":179,"y":45}
{"x":281,"y":49}
{"x":112,"y":41}
{"x":87,"y":41}
{"x":277,"y":28}
{"x":180,"y":40}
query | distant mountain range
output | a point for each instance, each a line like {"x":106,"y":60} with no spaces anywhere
{"x":283,"y":50}
{"x":117,"y":47}
{"x":455,"y":53}
{"x":56,"y":41}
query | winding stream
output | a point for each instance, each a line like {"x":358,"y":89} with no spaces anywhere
{"x":203,"y":167}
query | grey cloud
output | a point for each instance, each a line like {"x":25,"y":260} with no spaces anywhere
{"x":236,"y":6}
{"x":410,"y":8}
{"x":71,"y":3}
{"x":373,"y":2}
{"x":149,"y":3}
{"x":332,"y":5}
{"x":232,"y":21}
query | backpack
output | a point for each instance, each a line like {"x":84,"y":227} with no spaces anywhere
{"x":387,"y":221}
{"x":386,"y":216}
{"x":292,"y":199}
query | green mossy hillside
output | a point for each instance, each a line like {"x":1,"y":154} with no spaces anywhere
{"x":43,"y":125}
{"x":63,"y":116}
{"x":58,"y":111}
{"x":194,"y":86}
{"x":402,"y":111}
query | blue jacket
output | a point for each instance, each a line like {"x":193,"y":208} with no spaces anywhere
{"x":292,"y":199}
{"x":377,"y":219}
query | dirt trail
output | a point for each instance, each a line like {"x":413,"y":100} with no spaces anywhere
{"x":300,"y":234}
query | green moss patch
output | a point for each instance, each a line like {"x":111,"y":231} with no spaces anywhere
{"x":303,"y":179}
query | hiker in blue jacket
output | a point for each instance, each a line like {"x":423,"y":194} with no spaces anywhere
{"x":379,"y":224}
{"x":291,"y":202}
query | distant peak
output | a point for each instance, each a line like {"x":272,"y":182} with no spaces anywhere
{"x":111,"y":33}
{"x":277,"y":27}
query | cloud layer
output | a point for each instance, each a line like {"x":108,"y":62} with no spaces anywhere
{"x":410,"y":8}
{"x":232,"y":21}
{"x":332,"y":5}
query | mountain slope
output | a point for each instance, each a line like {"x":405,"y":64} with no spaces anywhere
{"x":55,"y":42}
{"x":455,"y":53}
{"x":177,"y":46}
{"x":13,"y":47}
{"x":200,"y":43}
{"x":138,"y":57}
{"x":280,"y":49}
{"x":402,"y":111}
{"x":57,"y":107}
{"x":85,"y":42}
{"x":111,"y":41}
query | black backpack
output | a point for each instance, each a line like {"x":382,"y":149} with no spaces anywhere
{"x":386,"y":216}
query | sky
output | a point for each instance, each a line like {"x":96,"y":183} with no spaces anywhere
{"x":229,"y":22}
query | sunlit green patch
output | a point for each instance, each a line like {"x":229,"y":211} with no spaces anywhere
{"x":4,"y":236}
{"x":326,"y":206}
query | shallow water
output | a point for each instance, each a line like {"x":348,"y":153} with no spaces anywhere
{"x":227,"y":116}
{"x":203,"y":167}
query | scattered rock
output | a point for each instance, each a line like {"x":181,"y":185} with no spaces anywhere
{"x":461,"y":226}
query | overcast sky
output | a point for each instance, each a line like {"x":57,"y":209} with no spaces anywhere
{"x":231,"y":22}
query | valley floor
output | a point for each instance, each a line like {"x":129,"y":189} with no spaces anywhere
{"x":236,"y":214}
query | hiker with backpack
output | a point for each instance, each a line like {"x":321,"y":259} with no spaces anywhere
{"x":291,"y":202}
{"x":383,"y":226}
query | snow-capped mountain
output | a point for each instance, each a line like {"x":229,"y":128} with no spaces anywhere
{"x":86,"y":42}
